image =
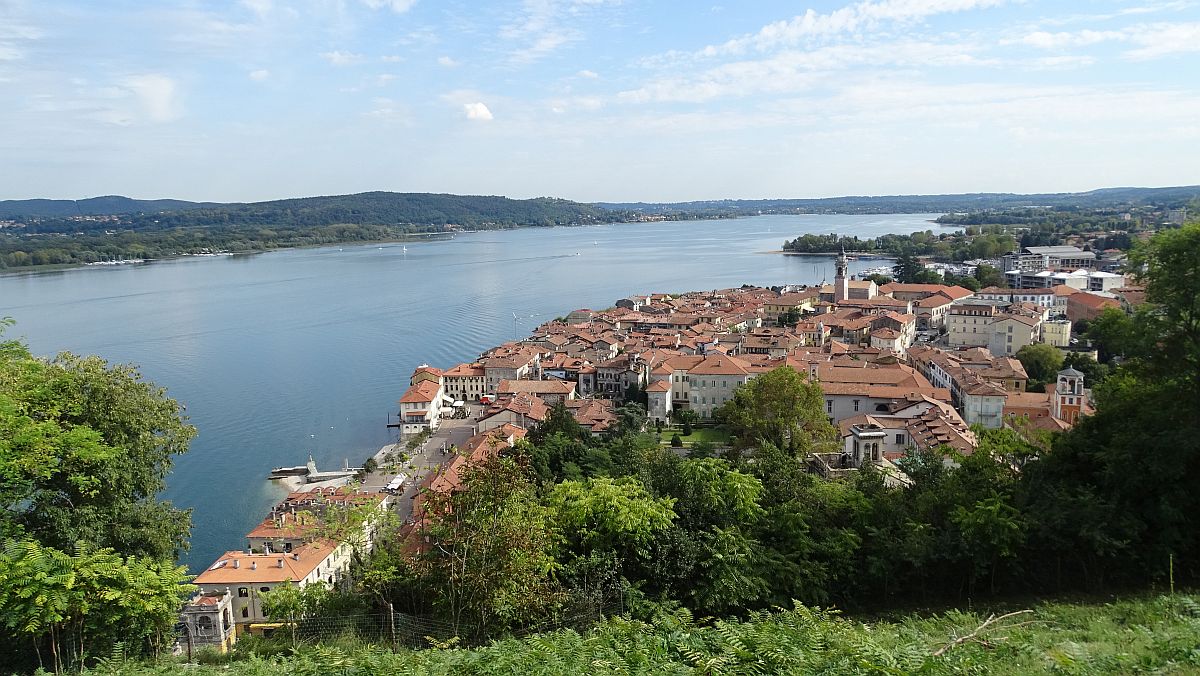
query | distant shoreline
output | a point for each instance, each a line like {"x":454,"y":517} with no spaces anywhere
{"x":828,"y":254}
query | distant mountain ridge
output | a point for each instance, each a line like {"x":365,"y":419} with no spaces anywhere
{"x":441,"y":208}
{"x":1104,"y":197}
{"x":419,"y":210}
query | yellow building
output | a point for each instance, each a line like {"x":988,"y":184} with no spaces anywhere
{"x":1057,"y":332}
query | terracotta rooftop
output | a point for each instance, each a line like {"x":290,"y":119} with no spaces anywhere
{"x":720,"y":365}
{"x":464,"y":370}
{"x":423,"y":392}
{"x":237,"y":567}
{"x":559,"y":387}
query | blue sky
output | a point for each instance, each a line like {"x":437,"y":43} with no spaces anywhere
{"x":595,"y":99}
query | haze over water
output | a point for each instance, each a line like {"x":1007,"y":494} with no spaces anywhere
{"x":283,"y":354}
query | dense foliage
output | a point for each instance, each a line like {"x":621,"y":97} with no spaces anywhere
{"x":89,"y":549}
{"x":1156,"y":635}
{"x":974,"y":243}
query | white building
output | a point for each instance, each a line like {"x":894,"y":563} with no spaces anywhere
{"x":246,"y":576}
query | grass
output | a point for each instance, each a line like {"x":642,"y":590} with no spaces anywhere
{"x":1149,"y":635}
{"x":716,"y":435}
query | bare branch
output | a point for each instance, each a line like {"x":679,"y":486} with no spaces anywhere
{"x":992,"y":622}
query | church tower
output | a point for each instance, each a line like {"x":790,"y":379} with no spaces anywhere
{"x":841,"y":285}
{"x":1068,"y":396}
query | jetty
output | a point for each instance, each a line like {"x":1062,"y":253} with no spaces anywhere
{"x":311,"y":475}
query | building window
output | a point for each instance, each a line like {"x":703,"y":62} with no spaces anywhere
{"x":899,"y":439}
{"x":855,"y":404}
{"x":264,"y":589}
{"x":245,"y":611}
{"x":243,"y":592}
{"x":829,"y":406}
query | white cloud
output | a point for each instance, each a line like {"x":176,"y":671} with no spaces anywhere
{"x":1062,"y":40}
{"x":1163,"y":39}
{"x":13,"y":32}
{"x":1149,"y":40}
{"x":798,"y":70}
{"x":259,"y":7}
{"x":391,"y":58}
{"x":260,"y":74}
{"x":854,"y":18}
{"x":477,"y":111}
{"x":588,"y":74}
{"x":576,"y":103}
{"x":542,"y":26}
{"x":340,"y":58}
{"x":389,"y":110}
{"x":397,"y":6}
{"x":156,"y":94}
{"x":447,"y":62}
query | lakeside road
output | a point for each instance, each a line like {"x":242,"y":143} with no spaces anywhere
{"x":426,"y":458}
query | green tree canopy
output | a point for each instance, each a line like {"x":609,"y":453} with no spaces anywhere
{"x":1041,"y":361}
{"x":779,"y":407}
{"x":85,"y":449}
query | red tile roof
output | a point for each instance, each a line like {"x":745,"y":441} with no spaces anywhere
{"x":424,"y":392}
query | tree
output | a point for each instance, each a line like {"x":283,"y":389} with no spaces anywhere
{"x":1118,"y":490}
{"x":1115,"y":334}
{"x":909,"y":270}
{"x":687,"y":417}
{"x":489,"y":564}
{"x":676,"y":441}
{"x":879,"y":279}
{"x":85,"y":448}
{"x":991,"y":530}
{"x":1042,"y":362}
{"x":965,"y":281}
{"x":990,"y":276}
{"x":559,"y":420}
{"x":778,"y":407}
{"x":790,"y":318}
{"x":1093,"y":372}
{"x":631,"y":420}
{"x":1169,"y":267}
{"x":707,"y":559}
{"x":74,"y":607}
{"x":606,"y":513}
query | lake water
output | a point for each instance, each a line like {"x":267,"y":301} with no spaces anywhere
{"x":283,"y":354}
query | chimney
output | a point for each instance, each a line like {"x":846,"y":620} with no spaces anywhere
{"x":254,"y":565}
{"x":236,"y":563}
{"x":280,"y":563}
{"x":295,"y":556}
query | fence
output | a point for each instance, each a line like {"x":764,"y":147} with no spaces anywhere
{"x":392,"y":629}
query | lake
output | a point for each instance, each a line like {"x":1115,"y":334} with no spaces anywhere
{"x":289,"y":353}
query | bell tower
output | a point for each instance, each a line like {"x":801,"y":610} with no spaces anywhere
{"x":1068,"y":396}
{"x":841,"y":285}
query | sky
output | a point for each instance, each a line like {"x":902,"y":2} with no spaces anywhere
{"x":595,"y":100}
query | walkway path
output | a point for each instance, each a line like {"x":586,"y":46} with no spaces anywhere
{"x":427,"y":457}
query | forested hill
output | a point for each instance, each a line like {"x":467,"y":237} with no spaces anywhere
{"x":370,"y":208}
{"x":391,"y":208}
{"x":890,"y":204}
{"x":108,"y":205}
